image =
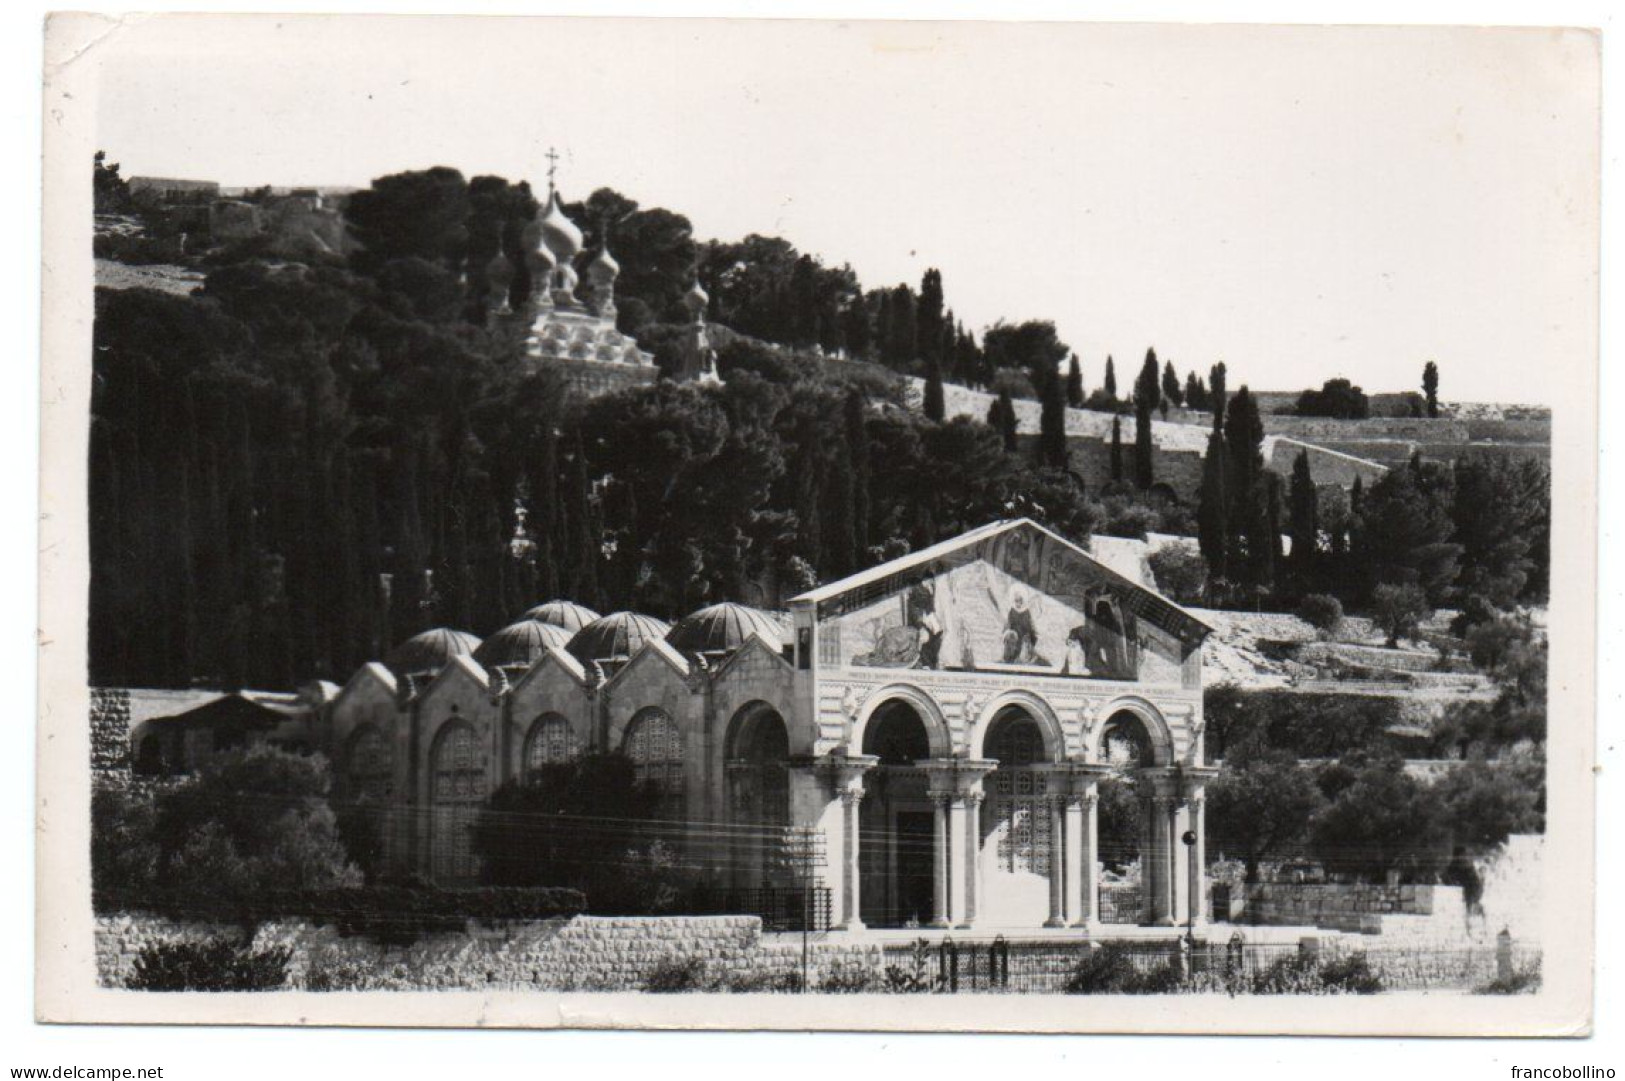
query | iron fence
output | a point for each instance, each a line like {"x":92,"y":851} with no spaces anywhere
{"x":781,"y":908}
{"x":1218,"y":966}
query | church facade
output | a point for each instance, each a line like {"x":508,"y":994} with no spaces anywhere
{"x":938,"y":728}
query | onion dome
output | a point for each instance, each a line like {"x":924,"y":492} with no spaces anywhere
{"x":561,"y":236}
{"x":603,"y":267}
{"x":697,"y":299}
{"x":723,"y":627}
{"x":567,"y":614}
{"x":431,"y":650}
{"x":619,"y":634}
{"x":536,"y":239}
{"x":520,"y":643}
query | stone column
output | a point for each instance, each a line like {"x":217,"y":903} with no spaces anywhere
{"x":961,"y":870}
{"x":973,"y":853}
{"x":1198,"y":855}
{"x":1178,"y":863}
{"x":851,"y":799}
{"x":941,"y":912}
{"x":1074,"y":850}
{"x":1156,"y":861}
{"x":1090,"y":906}
{"x":1057,"y":861}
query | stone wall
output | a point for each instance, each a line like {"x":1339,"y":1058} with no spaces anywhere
{"x":583,"y":953}
{"x":1359,"y":907}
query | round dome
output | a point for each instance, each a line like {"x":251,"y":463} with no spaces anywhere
{"x":619,"y":634}
{"x":559,"y":233}
{"x":520,"y":643}
{"x":567,"y":614}
{"x":432,"y":650}
{"x":721,"y":627}
{"x":603,"y":266}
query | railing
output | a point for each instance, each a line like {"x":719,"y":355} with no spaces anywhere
{"x":946,"y":966}
{"x":781,"y":908}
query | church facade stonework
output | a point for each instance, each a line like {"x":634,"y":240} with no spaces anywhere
{"x":939,"y":728}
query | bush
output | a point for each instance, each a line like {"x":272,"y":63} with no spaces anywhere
{"x":1525,"y":981}
{"x":123,"y":845}
{"x":678,"y":974}
{"x":1298,"y":974}
{"x":1180,"y":572}
{"x":914,"y":978}
{"x":532,"y":834}
{"x":215,"y":965}
{"x":1398,"y":611}
{"x":392,"y":915}
{"x":848,"y":978}
{"x":1111,"y":970}
{"x":253,"y":821}
{"x":1322,"y":612}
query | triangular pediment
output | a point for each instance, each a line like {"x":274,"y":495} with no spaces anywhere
{"x":1021,"y":551}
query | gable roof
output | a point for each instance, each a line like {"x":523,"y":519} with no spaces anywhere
{"x":886,"y":578}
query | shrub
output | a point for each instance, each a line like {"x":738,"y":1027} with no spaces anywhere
{"x":914,"y":978}
{"x":123,"y":845}
{"x":678,"y":974}
{"x":848,"y":978}
{"x":215,"y":965}
{"x":392,"y":915}
{"x":1524,"y":981}
{"x":1398,"y":610}
{"x":1111,"y":970}
{"x":756,"y":983}
{"x":1300,"y":974}
{"x":1180,"y":572}
{"x":252,"y":821}
{"x":1322,"y":612}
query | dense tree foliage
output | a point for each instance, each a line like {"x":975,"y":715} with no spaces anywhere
{"x":1336,"y":398}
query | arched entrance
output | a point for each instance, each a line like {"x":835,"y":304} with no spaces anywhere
{"x":1018,"y":843}
{"x":1139,"y":824}
{"x":756,"y":753}
{"x":896,"y":850}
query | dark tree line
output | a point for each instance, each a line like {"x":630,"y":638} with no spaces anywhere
{"x":1480,"y":527}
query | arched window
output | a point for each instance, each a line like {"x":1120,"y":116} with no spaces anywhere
{"x":368,"y":769}
{"x":655,"y":746}
{"x":1019,"y":811}
{"x":457,"y":792}
{"x":551,"y":741}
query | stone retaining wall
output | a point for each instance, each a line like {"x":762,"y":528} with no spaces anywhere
{"x":583,"y":953}
{"x":1360,"y":908}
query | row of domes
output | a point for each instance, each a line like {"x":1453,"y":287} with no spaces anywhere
{"x":587,"y":636}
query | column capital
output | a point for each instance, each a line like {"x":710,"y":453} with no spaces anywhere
{"x":843,"y":772}
{"x":958,"y":777}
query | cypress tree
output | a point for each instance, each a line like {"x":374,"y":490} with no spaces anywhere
{"x":1051,"y":420}
{"x":1270,"y":551}
{"x":1074,"y":383}
{"x":933,"y":404}
{"x":839,"y":535}
{"x":1244,"y":441}
{"x":1430,"y":387}
{"x":1212,"y":515}
{"x":1305,"y":518}
{"x":857,"y":440}
{"x":1117,"y":449}
{"x":1147,"y":396}
{"x":1171,"y":388}
{"x":928,"y":321}
{"x":1216,"y":395}
{"x":1109,"y":384}
{"x":1001,"y":417}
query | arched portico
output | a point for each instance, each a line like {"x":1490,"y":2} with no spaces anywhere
{"x":897,"y":857}
{"x":1026,"y":703}
{"x":1128,"y":714}
{"x":938,"y":736}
